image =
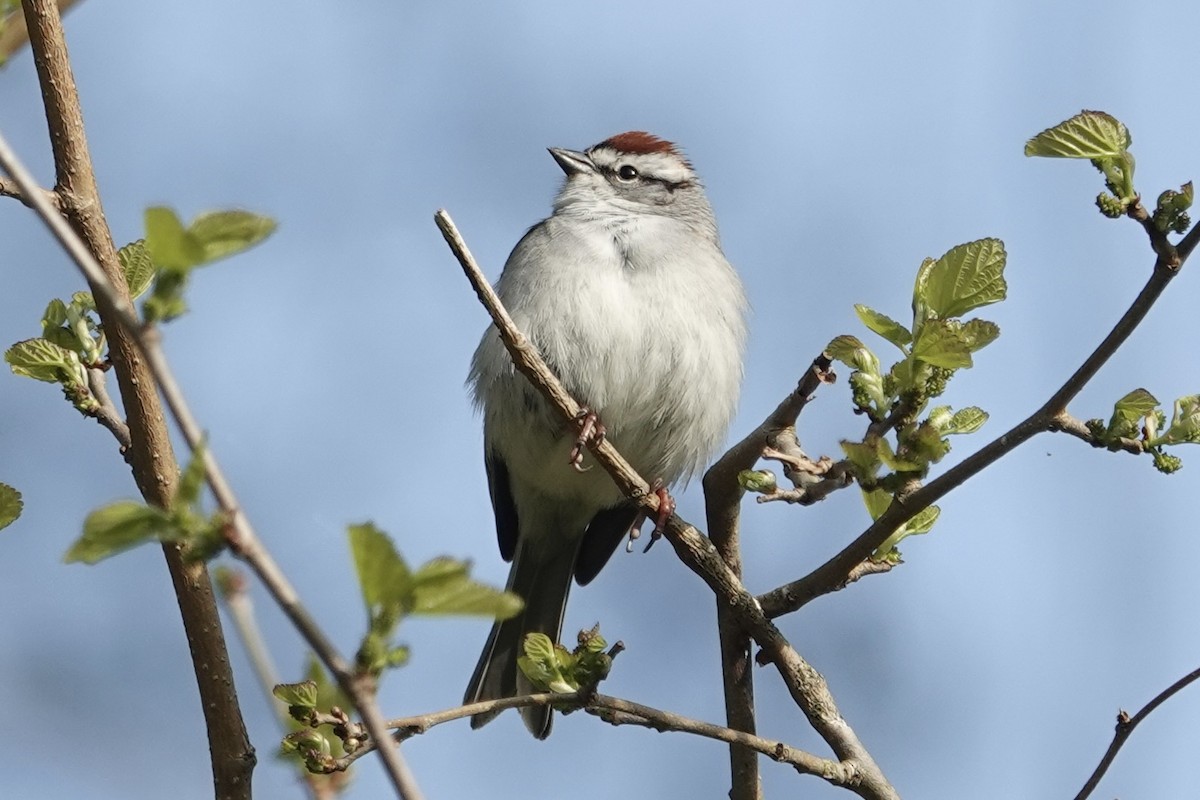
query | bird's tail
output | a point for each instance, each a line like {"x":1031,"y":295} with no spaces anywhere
{"x":542,"y":579}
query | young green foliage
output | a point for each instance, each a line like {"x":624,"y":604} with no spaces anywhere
{"x":1138,"y":417}
{"x":936,"y":344}
{"x":551,"y":667}
{"x":11,"y":505}
{"x":877,"y":502}
{"x":392,"y":591}
{"x":1105,"y":141}
{"x":125,"y":524}
{"x":176,"y":250}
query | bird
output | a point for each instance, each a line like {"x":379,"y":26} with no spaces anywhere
{"x":628,"y":297}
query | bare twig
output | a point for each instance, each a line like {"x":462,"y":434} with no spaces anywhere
{"x":106,"y":413}
{"x":1125,"y":726}
{"x":804,"y":683}
{"x":618,"y":711}
{"x":242,"y":539}
{"x":10,"y":189}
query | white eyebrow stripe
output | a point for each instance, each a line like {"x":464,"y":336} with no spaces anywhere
{"x":659,"y":166}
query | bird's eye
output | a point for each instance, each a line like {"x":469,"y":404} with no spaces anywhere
{"x":627,"y":173}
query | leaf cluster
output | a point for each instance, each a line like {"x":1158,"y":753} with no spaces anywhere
{"x":1104,"y":140}
{"x":391,"y":591}
{"x":315,"y":706}
{"x":73,"y":340}
{"x":936,"y":344}
{"x":120,"y":526}
{"x":1138,"y":417}
{"x":551,"y":667}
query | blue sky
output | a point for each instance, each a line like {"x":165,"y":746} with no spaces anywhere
{"x":841,"y":143}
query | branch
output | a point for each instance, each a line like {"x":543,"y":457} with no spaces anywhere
{"x":722,"y":501}
{"x":1072,"y":426}
{"x":146,"y":441}
{"x":1125,"y":726}
{"x":240,"y":536}
{"x":106,"y":413}
{"x":804,"y":683}
{"x":14,"y":35}
{"x":617,"y":711}
{"x":233,"y":591}
{"x":10,"y":189}
{"x":832,"y":575}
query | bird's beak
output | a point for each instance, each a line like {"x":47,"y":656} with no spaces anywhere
{"x":572,"y":161}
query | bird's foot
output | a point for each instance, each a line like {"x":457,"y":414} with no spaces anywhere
{"x":666,"y":507}
{"x":591,"y":429}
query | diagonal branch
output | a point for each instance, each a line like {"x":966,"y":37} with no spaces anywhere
{"x":806,"y":686}
{"x":1125,"y":726}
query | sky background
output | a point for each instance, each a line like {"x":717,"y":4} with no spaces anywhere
{"x":841,"y":143}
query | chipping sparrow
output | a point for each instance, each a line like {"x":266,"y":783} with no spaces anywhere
{"x":626,"y":294}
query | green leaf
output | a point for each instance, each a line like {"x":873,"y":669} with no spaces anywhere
{"x":877,"y":502}
{"x":303,"y":694}
{"x":1088,"y":134}
{"x":758,"y":481}
{"x":11,"y":505}
{"x":966,"y":420}
{"x":965,"y":278}
{"x":191,"y":480}
{"x":117,"y":527}
{"x":43,"y":360}
{"x":170,"y":246}
{"x":539,"y":646}
{"x":1185,"y":422}
{"x":383,"y":576}
{"x":55,"y":315}
{"x":942,"y":344}
{"x":979,"y":333}
{"x":884,"y":325}
{"x":844,"y":349}
{"x":923,"y":522}
{"x":1135,"y":405}
{"x":137,"y":266}
{"x":443,"y":586}
{"x":863,"y":457}
{"x":542,"y":664}
{"x":224,"y":233}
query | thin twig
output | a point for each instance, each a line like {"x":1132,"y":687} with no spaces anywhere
{"x":804,"y":683}
{"x":10,"y":189}
{"x":618,"y":711}
{"x":233,"y":590}
{"x":106,"y":413}
{"x":1073,"y":426}
{"x":242,"y":539}
{"x":1125,"y":726}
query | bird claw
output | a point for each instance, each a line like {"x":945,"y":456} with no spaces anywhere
{"x":666,"y":507}
{"x":591,"y":429}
